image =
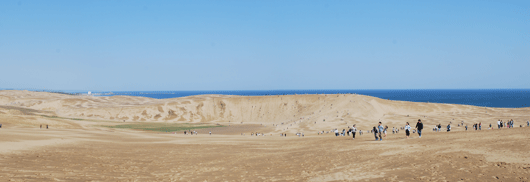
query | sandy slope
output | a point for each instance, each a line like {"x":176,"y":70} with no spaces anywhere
{"x":79,"y":150}
{"x":308,"y":111}
{"x":81,"y":155}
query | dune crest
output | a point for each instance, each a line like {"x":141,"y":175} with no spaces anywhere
{"x":298,"y":113}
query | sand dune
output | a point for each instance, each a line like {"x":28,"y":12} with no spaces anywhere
{"x":78,"y":148}
{"x":308,"y":111}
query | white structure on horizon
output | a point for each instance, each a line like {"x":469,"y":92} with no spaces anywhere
{"x":89,"y":93}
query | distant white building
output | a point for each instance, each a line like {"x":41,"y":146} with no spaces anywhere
{"x":89,"y":93}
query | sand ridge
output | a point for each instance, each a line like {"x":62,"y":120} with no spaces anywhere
{"x":78,"y":148}
{"x":312,"y":113}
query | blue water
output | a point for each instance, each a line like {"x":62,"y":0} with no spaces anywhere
{"x":506,"y":98}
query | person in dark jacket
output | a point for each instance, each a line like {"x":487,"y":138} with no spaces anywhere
{"x":375,"y":133}
{"x":419,"y":126}
{"x":380,"y":131}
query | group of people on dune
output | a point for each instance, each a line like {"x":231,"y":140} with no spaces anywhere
{"x":509,"y":124}
{"x":257,"y":134}
{"x":380,"y":131}
{"x":438,"y":127}
{"x":192,"y":132}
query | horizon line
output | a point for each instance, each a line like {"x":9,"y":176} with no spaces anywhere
{"x":74,"y":90}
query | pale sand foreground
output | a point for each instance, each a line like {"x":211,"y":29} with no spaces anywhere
{"x":80,"y":150}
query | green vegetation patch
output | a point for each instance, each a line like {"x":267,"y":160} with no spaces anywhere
{"x":163,"y":127}
{"x":77,"y":119}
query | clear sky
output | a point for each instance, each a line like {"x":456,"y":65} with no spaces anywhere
{"x":263,"y":45}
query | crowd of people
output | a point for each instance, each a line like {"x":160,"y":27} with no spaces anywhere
{"x":189,"y":132}
{"x":380,"y":131}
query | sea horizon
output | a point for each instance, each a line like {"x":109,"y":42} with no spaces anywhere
{"x":501,"y":98}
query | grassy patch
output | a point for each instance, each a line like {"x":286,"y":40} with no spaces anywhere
{"x":76,"y":119}
{"x":51,"y":116}
{"x":25,"y":111}
{"x":163,"y":127}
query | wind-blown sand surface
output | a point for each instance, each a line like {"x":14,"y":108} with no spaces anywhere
{"x":78,"y":148}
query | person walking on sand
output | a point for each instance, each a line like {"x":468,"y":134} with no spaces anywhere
{"x":448,"y":127}
{"x":386,"y":128}
{"x":353,"y":131}
{"x":499,"y":124}
{"x":407,"y":130}
{"x":381,"y":130}
{"x":374,"y":130}
{"x":466,"y":127}
{"x":527,"y":123}
{"x":46,"y":126}
{"x":419,"y":126}
{"x":210,"y":132}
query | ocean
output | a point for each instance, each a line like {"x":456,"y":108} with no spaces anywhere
{"x":503,"y":98}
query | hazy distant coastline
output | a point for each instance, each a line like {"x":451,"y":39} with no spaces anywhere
{"x":503,"y":98}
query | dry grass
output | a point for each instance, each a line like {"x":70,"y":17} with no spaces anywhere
{"x":163,"y":127}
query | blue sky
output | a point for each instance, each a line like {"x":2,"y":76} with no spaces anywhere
{"x":264,"y":45}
